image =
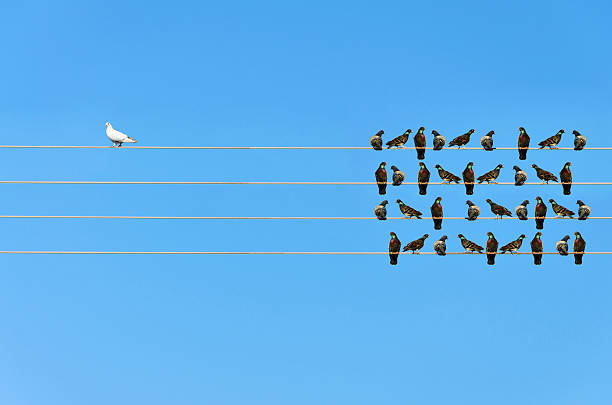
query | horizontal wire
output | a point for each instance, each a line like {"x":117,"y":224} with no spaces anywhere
{"x":321,"y":183}
{"x":249,"y":218}
{"x":261,"y":147}
{"x":58,"y":252}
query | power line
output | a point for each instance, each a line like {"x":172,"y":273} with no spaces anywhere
{"x":299,"y":183}
{"x":62,"y":252}
{"x":265,"y":147}
{"x":250,"y":218}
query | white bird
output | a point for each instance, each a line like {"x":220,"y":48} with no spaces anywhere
{"x":116,"y":136}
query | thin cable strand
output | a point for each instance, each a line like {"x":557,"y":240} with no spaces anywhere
{"x":319,"y":183}
{"x":61,"y":252}
{"x":264,"y":147}
{"x":249,"y":218}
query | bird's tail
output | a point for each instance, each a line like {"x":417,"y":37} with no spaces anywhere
{"x":539,"y":223}
{"x":578,"y":258}
{"x":522,"y":154}
{"x":420,"y":154}
{"x":437,"y":224}
{"x":130,"y":140}
{"x":422,"y":189}
{"x":393,"y":259}
{"x":469,"y":189}
{"x":377,"y":147}
{"x":537,"y":259}
{"x":382,"y":188}
{"x":491,"y":259}
{"x":567,"y":189}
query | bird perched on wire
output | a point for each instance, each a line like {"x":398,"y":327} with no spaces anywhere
{"x":447,"y":176}
{"x":498,"y":210}
{"x":381,"y":210}
{"x":566,"y":178}
{"x":583,"y":210}
{"x":491,"y":176}
{"x":468,"y":245}
{"x":438,"y":141}
{"x":400,"y":140}
{"x":513,"y":246}
{"x":536,"y":248}
{"x":579,"y":140}
{"x":523,"y":143}
{"x":562,"y":247}
{"x":437,"y":213}
{"x":544,"y":175}
{"x":461,"y":140}
{"x":408,"y":211}
{"x":540,"y":213}
{"x":579,"y":246}
{"x":398,"y":176}
{"x":416,"y":245}
{"x":487,"y":141}
{"x":491,"y":248}
{"x":520,"y":177}
{"x":376,"y":140}
{"x":521,"y":210}
{"x":560,"y":210}
{"x":118,"y":138}
{"x":381,"y":178}
{"x":440,"y":246}
{"x":473,"y":211}
{"x":553,"y":141}
{"x":420,"y":142}
{"x":423,"y":178}
{"x":468,"y":178}
{"x":394,"y":248}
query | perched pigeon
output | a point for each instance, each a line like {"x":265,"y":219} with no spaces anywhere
{"x":579,"y":245}
{"x":473,"y":211}
{"x":468,"y":178}
{"x":381,"y":210}
{"x":423,"y":178}
{"x":381,"y":178}
{"x":523,"y":143}
{"x":566,"y":178}
{"x":491,"y":176}
{"x":491,"y":248}
{"x":437,"y":213}
{"x":499,"y":210}
{"x":536,"y":248}
{"x":461,"y":140}
{"x":560,"y":210}
{"x":513,"y":246}
{"x":469,"y":246}
{"x":540,"y":213}
{"x":118,"y":138}
{"x":447,"y":176}
{"x":562,"y":247}
{"x":583,"y":210}
{"x":579,"y":140}
{"x":408,"y":211}
{"x":487,"y":141}
{"x":400,"y":140}
{"x":440,"y":246}
{"x":553,"y":141}
{"x":438,"y":141}
{"x":544,"y":175}
{"x":416,"y":245}
{"x":521,"y":210}
{"x":419,"y":143}
{"x":376,"y":140}
{"x":394,"y":248}
{"x":398,"y":176}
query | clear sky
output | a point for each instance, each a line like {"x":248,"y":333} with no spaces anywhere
{"x":283,"y":329}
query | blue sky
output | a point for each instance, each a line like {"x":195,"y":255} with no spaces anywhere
{"x":299,"y":330}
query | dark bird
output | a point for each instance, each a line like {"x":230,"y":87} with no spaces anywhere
{"x":400,"y":140}
{"x":376,"y":140}
{"x":420,"y":142}
{"x":447,"y":176}
{"x":562,"y":247}
{"x":520,"y":177}
{"x":423,"y":178}
{"x":468,"y":178}
{"x":579,"y":140}
{"x":398,"y":176}
{"x":566,"y":178}
{"x":381,"y":178}
{"x":408,"y":211}
{"x":491,"y":176}
{"x":440,"y":246}
{"x":513,"y":246}
{"x":381,"y":210}
{"x":523,"y":143}
{"x":540,"y":213}
{"x":579,"y":245}
{"x":487,"y":141}
{"x":583,"y":210}
{"x":461,"y":140}
{"x":394,"y":248}
{"x":521,"y":210}
{"x":473,"y":211}
{"x":544,"y":175}
{"x":468,"y":245}
{"x":536,"y":248}
{"x":560,"y":210}
{"x":491,"y":247}
{"x":438,"y":141}
{"x":553,"y":141}
{"x":416,"y":245}
{"x":437,"y":213}
{"x":499,"y":210}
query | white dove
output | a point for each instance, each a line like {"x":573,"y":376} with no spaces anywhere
{"x":116,"y":136}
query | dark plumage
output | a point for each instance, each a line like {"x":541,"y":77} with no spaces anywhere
{"x":520,"y":177}
{"x":579,"y":140}
{"x":438,"y":141}
{"x":473,"y":211}
{"x":461,"y":140}
{"x":499,"y":210}
{"x":487,"y":141}
{"x":579,"y":246}
{"x":423,"y":178}
{"x":394,"y":248}
{"x":381,"y":178}
{"x":469,"y":246}
{"x":400,"y":140}
{"x":583,"y":210}
{"x":536,"y":247}
{"x":491,"y":248}
{"x":544,"y":175}
{"x":562,"y":247}
{"x":381,"y":210}
{"x":447,"y":176}
{"x":560,"y":210}
{"x":566,"y":178}
{"x":416,"y":245}
{"x":437,"y":213}
{"x":521,"y":210}
{"x":376,"y":140}
{"x":408,"y":211}
{"x":514,"y":245}
{"x":523,"y":143}
{"x":398,"y":176}
{"x":540,"y":213}
{"x":440,"y":246}
{"x":491,"y":176}
{"x":553,"y":141}
{"x":420,"y":142}
{"x":468,"y":178}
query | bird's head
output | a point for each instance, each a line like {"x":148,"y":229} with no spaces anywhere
{"x":490,"y":133}
{"x":434,"y":132}
{"x":383,"y":164}
{"x":470,"y":164}
{"x":522,"y":236}
{"x":567,"y":165}
{"x":490,"y":235}
{"x":534,"y":166}
{"x":539,"y":200}
{"x":438,"y":167}
{"x":576,"y":133}
{"x":380,"y":133}
{"x":385,"y":202}
{"x":468,"y":202}
{"x":438,"y":200}
{"x":525,"y":203}
{"x":400,"y":202}
{"x":553,"y":202}
{"x":579,"y":202}
{"x":561,"y":131}
{"x":565,"y":238}
{"x":516,"y":168}
{"x":460,"y":236}
{"x":578,"y":236}
{"x":421,"y":130}
{"x":538,"y":234}
{"x":443,"y":238}
{"x":471,"y":131}
{"x":108,"y":125}
{"x":394,"y":168}
{"x":425,"y":236}
{"x":393,"y":235}
{"x":499,"y":166}
{"x":408,"y":131}
{"x":489,"y":201}
{"x":422,"y":165}
{"x":521,"y":130}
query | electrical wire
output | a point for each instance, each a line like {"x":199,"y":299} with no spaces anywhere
{"x":250,"y":218}
{"x":299,"y":183}
{"x":265,"y":147}
{"x":62,"y":252}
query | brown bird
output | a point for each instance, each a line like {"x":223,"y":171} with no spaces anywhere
{"x":566,"y":178}
{"x":540,"y":213}
{"x":513,"y":246}
{"x":438,"y":140}
{"x":420,"y":142}
{"x":523,"y":143}
{"x":583,"y":210}
{"x":553,"y":141}
{"x":544,"y":175}
{"x":394,"y":248}
{"x":399,"y":141}
{"x":579,"y":246}
{"x":491,"y":176}
{"x":437,"y":213}
{"x":447,"y":176}
{"x":491,"y":248}
{"x":381,"y":178}
{"x":416,"y":245}
{"x":461,"y":140}
{"x":468,"y":245}
{"x":560,"y":210}
{"x":499,"y":210}
{"x":468,"y":178}
{"x":579,"y":140}
{"x":376,"y":140}
{"x":520,"y":177}
{"x":423,"y":178}
{"x":487,"y":141}
{"x":407,"y":210}
{"x":537,"y":247}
